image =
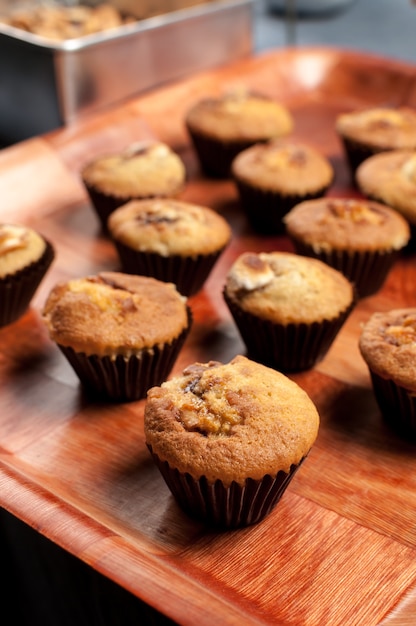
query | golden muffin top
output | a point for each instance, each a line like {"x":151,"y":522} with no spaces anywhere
{"x":113,"y":313}
{"x":347,"y":224}
{"x":19,"y":247}
{"x":288,"y":288}
{"x":144,"y":169}
{"x":230,"y":421}
{"x":388,"y":345}
{"x":391,"y":178}
{"x":380,"y":127}
{"x":169,"y":227}
{"x":283,"y":165}
{"x":239,"y":115}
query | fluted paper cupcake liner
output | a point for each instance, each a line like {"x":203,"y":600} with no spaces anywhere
{"x":356,"y":153}
{"x":187,"y":273}
{"x":125,"y":379}
{"x":104,"y":204}
{"x":215,"y":157}
{"x":367,"y":270}
{"x":397,"y":405}
{"x":290,"y":347}
{"x":222,"y":506}
{"x":17,"y":290}
{"x":265,"y":209}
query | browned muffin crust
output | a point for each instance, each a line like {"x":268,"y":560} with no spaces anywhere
{"x":230,"y":421}
{"x":388,"y":345}
{"x":380,"y":127}
{"x":114,"y":313}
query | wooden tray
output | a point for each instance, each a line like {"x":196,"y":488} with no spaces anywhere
{"x":340,"y":547}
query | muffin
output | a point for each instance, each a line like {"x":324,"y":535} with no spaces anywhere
{"x":388,"y":346}
{"x":228,"y":438}
{"x":169,"y":239}
{"x":287,"y":308}
{"x":221,"y":127}
{"x":272,"y":177}
{"x":360,"y":238}
{"x":145,"y":169}
{"x":120,"y":333}
{"x":369,"y":131}
{"x":390,"y":177}
{"x":25,"y":257}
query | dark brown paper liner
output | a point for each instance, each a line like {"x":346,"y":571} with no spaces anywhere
{"x":222,"y":506}
{"x":187,"y":273}
{"x":17,"y":290}
{"x":356,"y":153}
{"x":104,"y":204}
{"x":367,"y":270}
{"x":396,"y":404}
{"x":123,"y":379}
{"x":215,"y":156}
{"x":290,"y":347}
{"x":265,"y":209}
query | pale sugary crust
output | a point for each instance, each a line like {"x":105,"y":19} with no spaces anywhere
{"x":144,"y":169}
{"x":268,"y":423}
{"x":287,"y":288}
{"x":19,"y":247}
{"x":347,"y":224}
{"x":284,"y":166}
{"x":379,"y":127}
{"x":391,"y":178}
{"x":169,"y":227}
{"x":239,"y":116}
{"x":388,"y":346}
{"x":114,"y":313}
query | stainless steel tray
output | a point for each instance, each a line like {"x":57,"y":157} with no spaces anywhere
{"x":47,"y":84}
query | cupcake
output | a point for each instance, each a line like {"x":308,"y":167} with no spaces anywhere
{"x":388,"y":346}
{"x":145,"y":169}
{"x":287,"y":308}
{"x":221,"y":127}
{"x":360,"y":238}
{"x":228,"y":438}
{"x":390,"y":177}
{"x":120,"y":333}
{"x":272,"y":177}
{"x":169,"y":239}
{"x":369,"y":131}
{"x":25,"y":257}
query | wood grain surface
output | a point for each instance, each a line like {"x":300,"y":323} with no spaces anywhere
{"x":340,"y":547}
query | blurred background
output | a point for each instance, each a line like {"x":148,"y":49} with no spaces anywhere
{"x":382,"y":27}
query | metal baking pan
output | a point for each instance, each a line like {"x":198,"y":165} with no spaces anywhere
{"x":47,"y":84}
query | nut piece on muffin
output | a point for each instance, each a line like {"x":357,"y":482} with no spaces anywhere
{"x":360,"y":238}
{"x":369,"y":131}
{"x":390,"y":177}
{"x":272,"y":177}
{"x":288,"y":308}
{"x":228,"y":438}
{"x":25,"y":257}
{"x":221,"y":127}
{"x":388,"y":346}
{"x":169,"y":239}
{"x":145,"y":169}
{"x":120,"y":333}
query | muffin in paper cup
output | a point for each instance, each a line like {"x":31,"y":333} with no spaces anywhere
{"x":387,"y":344}
{"x":358,"y":237}
{"x":121,"y":334}
{"x":226,"y":448}
{"x":25,"y":257}
{"x":274,"y":176}
{"x":366,"y":132}
{"x":169,"y":239}
{"x":145,"y":169}
{"x":220,"y":127}
{"x":288,"y":308}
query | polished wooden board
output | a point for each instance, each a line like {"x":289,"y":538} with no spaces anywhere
{"x":340,"y":547}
